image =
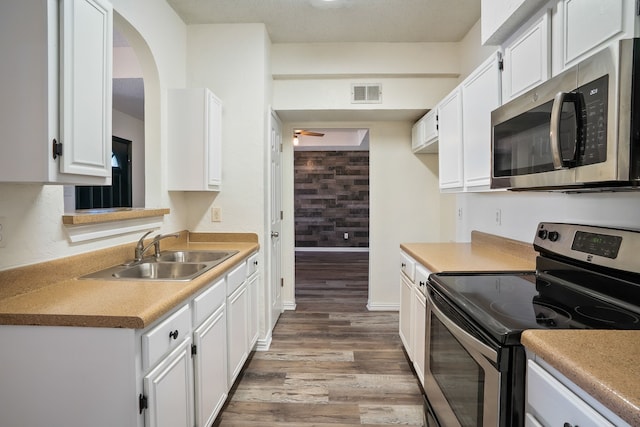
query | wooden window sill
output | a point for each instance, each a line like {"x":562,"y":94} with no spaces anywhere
{"x":91,"y":224}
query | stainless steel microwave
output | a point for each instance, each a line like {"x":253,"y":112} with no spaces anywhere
{"x":578,"y":131}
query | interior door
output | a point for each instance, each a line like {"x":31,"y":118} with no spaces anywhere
{"x":276,"y":219}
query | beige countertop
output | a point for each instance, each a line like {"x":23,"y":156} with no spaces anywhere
{"x":51,"y":294}
{"x":484,"y":253}
{"x":603,"y":363}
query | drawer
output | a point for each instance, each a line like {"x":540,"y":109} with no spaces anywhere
{"x":551,"y":403}
{"x":165,"y":337}
{"x":252,"y":264}
{"x":422,"y":276}
{"x":236,"y":277}
{"x":208,"y":301}
{"x":408,"y":266}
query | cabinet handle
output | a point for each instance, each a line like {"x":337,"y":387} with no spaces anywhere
{"x":174,"y":334}
{"x":255,"y":262}
{"x":422,"y":283}
{"x":403,"y":265}
{"x":569,"y":425}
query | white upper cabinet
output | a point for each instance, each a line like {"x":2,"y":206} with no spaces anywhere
{"x":424,"y":134}
{"x":591,"y":24}
{"x":56,"y":78}
{"x":480,"y":95}
{"x":500,"y":18}
{"x":527,"y":57}
{"x":450,"y":142}
{"x":195,"y":140}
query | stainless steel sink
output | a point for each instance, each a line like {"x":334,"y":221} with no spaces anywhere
{"x":160,"y":271}
{"x":169,"y":266}
{"x":195,"y":256}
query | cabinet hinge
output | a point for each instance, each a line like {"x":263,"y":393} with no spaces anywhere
{"x":281,"y":215}
{"x":281,"y":147}
{"x":282,"y":282}
{"x":501,"y":65}
{"x":638,"y":7}
{"x":194,"y":349}
{"x":142,"y":403}
{"x":437,"y":122}
{"x":57,"y":149}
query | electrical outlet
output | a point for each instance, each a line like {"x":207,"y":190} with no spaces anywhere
{"x":498,"y":216}
{"x":459,"y":214}
{"x":3,"y":232}
{"x":216,"y":215}
{"x":346,"y":236}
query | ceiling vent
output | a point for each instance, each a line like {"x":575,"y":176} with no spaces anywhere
{"x":366,"y":93}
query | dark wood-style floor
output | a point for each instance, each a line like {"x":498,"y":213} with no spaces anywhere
{"x":332,"y":363}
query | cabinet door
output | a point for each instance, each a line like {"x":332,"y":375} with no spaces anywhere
{"x":424,"y":136}
{"x":527,"y":58}
{"x":553,"y":404}
{"x":252,"y":328}
{"x":195,"y":140}
{"x":169,"y":389}
{"x":237,"y":306}
{"x":450,"y":142}
{"x":406,"y":296}
{"x":420,"y":318}
{"x":85,"y":87}
{"x":210,"y":367}
{"x":588,"y":24}
{"x":481,"y":95}
{"x":214,"y":137}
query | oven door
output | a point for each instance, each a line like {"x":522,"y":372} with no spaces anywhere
{"x":461,"y":380}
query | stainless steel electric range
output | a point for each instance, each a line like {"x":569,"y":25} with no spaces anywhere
{"x":586,"y":278}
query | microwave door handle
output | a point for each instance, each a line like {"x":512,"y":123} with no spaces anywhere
{"x":554,"y":132}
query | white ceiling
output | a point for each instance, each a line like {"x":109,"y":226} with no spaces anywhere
{"x":317,"y":21}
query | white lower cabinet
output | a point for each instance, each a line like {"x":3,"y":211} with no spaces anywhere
{"x":419,"y":311}
{"x":238,"y":304}
{"x":413,"y":311}
{"x":174,"y":373}
{"x":210,"y":367}
{"x":407,"y":277}
{"x":169,"y":390}
{"x":553,"y":400}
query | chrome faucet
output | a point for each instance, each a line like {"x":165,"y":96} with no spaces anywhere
{"x":141,"y":249}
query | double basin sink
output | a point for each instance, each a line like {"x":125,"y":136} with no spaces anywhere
{"x":169,"y":265}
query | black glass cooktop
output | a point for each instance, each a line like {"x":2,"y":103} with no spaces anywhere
{"x":505,"y":304}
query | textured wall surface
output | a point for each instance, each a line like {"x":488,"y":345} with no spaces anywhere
{"x":331,"y":198}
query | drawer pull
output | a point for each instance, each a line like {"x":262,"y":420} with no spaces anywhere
{"x":255,"y":262}
{"x":403,"y":265}
{"x":174,"y":334}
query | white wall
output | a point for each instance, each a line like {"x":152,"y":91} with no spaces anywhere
{"x":231,"y":60}
{"x":521,"y":212}
{"x":318,"y":76}
{"x":33,"y":213}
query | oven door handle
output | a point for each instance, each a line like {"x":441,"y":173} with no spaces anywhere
{"x":461,"y":335}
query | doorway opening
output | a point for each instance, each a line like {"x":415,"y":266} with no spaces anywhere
{"x":331,"y":211}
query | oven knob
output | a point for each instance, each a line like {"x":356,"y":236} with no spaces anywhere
{"x":554,"y":236}
{"x":543,"y":234}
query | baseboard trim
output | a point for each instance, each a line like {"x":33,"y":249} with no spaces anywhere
{"x":289,"y":306}
{"x":263,"y":344}
{"x":333,"y":249}
{"x":372,"y":306}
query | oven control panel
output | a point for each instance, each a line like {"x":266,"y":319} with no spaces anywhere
{"x":608,"y":247}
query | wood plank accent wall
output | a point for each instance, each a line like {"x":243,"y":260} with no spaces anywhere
{"x":331,"y":197}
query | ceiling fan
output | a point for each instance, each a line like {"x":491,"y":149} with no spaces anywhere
{"x":302,"y":132}
{"x":307,"y":133}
